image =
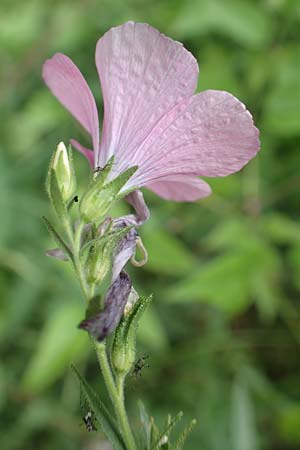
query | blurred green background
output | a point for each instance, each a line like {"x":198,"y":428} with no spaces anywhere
{"x":223,"y":334}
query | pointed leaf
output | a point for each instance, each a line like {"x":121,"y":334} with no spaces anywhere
{"x":58,"y":239}
{"x":186,"y":432}
{"x":104,"y":417}
{"x":167,"y":431}
{"x":146,"y":424}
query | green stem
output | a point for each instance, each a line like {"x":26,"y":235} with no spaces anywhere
{"x":116,"y":393}
{"x":76,"y":244}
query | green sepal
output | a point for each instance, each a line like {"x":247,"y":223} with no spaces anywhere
{"x":100,"y":197}
{"x":58,"y":239}
{"x":104,"y":417}
{"x":114,"y":236}
{"x":154,"y":433}
{"x":123,"y":194}
{"x":124,"y":343}
{"x":186,"y":432}
{"x":101,"y":175}
{"x":56,"y":197}
{"x":146,"y":425}
{"x":171,"y":423}
{"x":121,"y":180}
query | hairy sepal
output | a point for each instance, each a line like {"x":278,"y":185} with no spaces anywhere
{"x":100,"y":197}
{"x":124,"y":343}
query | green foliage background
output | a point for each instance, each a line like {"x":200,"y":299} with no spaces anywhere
{"x":223,"y":334}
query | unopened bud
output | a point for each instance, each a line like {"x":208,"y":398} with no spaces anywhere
{"x":124,"y":344}
{"x":99,"y":263}
{"x":123,"y":357}
{"x":62,"y":165}
{"x":102,"y":254}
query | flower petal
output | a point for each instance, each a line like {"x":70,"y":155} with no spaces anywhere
{"x":67,"y":83}
{"x":88,"y":153}
{"x":143,"y":75}
{"x":210,"y":134}
{"x":180,"y":188}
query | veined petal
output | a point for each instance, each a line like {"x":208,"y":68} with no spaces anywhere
{"x":67,"y":83}
{"x":87,"y":152}
{"x":210,"y":134}
{"x":143,"y":75}
{"x":180,"y":188}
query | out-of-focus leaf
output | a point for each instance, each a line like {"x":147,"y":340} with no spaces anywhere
{"x":20,"y":26}
{"x":224,"y":282}
{"x":232,"y":233}
{"x":294,"y":259}
{"x":38,"y":117}
{"x":217,"y":71}
{"x":281,"y":229}
{"x":151,"y":331}
{"x":167,"y":254}
{"x":59,"y":343}
{"x":229,"y":280}
{"x":289,"y":423}
{"x":243,"y":428}
{"x":242,"y":20}
{"x":282,"y":105}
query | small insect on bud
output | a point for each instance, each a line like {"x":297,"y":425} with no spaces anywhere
{"x":62,"y":166}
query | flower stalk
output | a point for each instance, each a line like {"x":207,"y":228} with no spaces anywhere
{"x":115,"y":389}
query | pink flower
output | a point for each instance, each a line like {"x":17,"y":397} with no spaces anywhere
{"x":152,"y":118}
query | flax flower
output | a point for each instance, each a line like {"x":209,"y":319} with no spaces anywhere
{"x":152,"y":118}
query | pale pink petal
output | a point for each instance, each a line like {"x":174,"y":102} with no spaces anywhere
{"x":143,"y":75}
{"x":180,"y":188}
{"x":88,"y":153}
{"x":142,"y":213}
{"x":67,"y":83}
{"x":210,"y":134}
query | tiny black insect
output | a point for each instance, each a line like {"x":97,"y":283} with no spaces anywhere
{"x":139,"y":365}
{"x":98,"y":169}
{"x":75,"y":199}
{"x":89,"y":421}
{"x":88,"y":418}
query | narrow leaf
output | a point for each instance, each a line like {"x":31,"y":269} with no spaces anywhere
{"x":58,"y":239}
{"x":186,"y":432}
{"x":104,"y":417}
{"x":167,"y":430}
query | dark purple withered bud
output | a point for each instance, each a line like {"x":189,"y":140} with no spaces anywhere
{"x":107,"y":320}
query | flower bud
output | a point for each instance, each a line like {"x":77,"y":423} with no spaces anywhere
{"x":124,"y":344}
{"x":123,"y":356}
{"x":62,"y":165}
{"x":99,"y":263}
{"x":102,"y":254}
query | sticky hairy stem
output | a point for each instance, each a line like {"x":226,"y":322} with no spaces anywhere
{"x":76,"y":244}
{"x":116,"y":392}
